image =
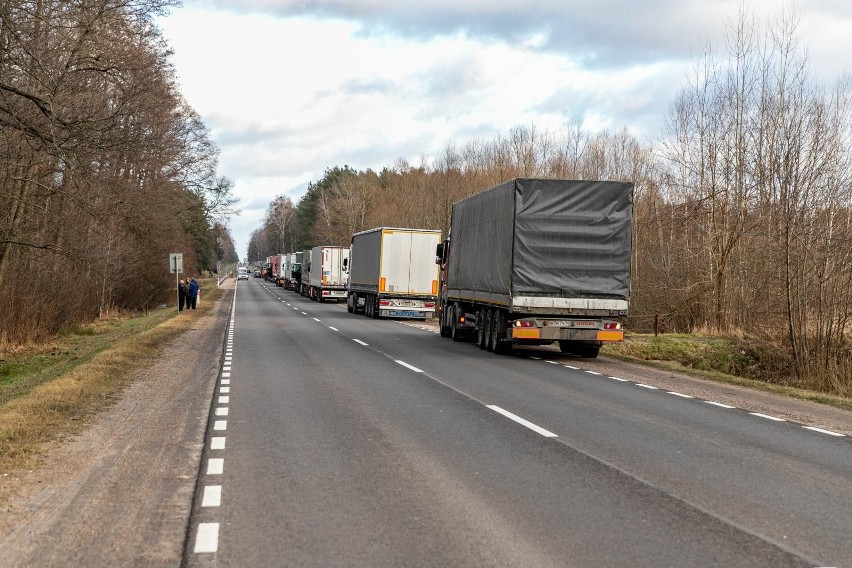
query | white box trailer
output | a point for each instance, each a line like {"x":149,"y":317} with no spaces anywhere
{"x":392,"y":273}
{"x":292,"y":270}
{"x":328,"y":273}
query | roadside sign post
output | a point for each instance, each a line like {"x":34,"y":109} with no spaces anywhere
{"x":176,"y":266}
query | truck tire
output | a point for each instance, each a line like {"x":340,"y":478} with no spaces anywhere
{"x":499,"y":344}
{"x":374,"y":307}
{"x":446,"y":331}
{"x":457,"y":334}
{"x":489,"y":330}
{"x":482,"y":327}
{"x":349,"y":307}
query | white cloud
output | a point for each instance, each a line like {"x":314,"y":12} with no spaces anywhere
{"x":291,"y":88}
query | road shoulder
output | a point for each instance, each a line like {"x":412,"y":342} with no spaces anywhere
{"x":120,"y":494}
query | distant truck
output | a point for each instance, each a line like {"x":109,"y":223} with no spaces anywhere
{"x":392,"y":273}
{"x":328,"y":273}
{"x":305,"y":281}
{"x":292,"y":270}
{"x":538,"y":261}
{"x":278,"y":269}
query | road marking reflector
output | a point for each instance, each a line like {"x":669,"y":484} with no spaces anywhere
{"x":522,"y":422}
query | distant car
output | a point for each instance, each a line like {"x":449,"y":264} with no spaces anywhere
{"x":257,"y":273}
{"x":242,"y":274}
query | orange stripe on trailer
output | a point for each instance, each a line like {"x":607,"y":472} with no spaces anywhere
{"x":434,"y":287}
{"x":526,"y":333}
{"x":610,"y":336}
{"x":382,"y":282}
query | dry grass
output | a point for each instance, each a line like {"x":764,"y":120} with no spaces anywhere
{"x":63,"y":403}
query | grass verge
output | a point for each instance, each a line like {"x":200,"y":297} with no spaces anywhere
{"x":53,"y":392}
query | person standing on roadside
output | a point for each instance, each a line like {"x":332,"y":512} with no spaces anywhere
{"x":192,"y":293}
{"x":183,"y":292}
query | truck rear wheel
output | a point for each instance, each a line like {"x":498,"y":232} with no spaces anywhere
{"x":446,"y":330}
{"x":489,"y":330}
{"x":482,"y":324}
{"x":499,"y":344}
{"x":457,"y":334}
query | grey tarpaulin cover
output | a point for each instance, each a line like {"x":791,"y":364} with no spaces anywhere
{"x":544,"y":237}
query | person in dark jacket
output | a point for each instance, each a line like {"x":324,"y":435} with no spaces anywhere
{"x":183,"y":291}
{"x":192,"y":293}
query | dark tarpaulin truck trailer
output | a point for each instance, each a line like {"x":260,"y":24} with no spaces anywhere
{"x":537,"y":261}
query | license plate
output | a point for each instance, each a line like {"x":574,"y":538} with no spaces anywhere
{"x":570,"y":323}
{"x":405,"y":314}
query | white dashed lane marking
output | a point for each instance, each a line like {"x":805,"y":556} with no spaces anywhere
{"x":522,"y":422}
{"x":215,"y":466}
{"x":207,"y":538}
{"x":217,"y":443}
{"x":212,"y":496}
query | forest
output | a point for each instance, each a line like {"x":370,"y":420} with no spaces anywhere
{"x":742,"y":205}
{"x":104,"y":167}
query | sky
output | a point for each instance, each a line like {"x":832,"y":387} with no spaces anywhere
{"x":289,"y":88}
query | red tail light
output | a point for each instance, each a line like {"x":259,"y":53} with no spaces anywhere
{"x":384,"y":302}
{"x":326,"y":293}
{"x":524,"y":323}
{"x":430,"y":304}
{"x":612,"y":325}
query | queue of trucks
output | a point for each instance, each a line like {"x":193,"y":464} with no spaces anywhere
{"x":528,"y":262}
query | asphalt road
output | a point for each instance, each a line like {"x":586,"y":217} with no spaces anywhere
{"x":335,"y":440}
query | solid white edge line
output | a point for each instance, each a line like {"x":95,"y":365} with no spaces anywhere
{"x":821,"y":431}
{"x":359,"y":342}
{"x":207,"y":538}
{"x":412,"y":367}
{"x":773,"y":418}
{"x":212,"y":496}
{"x":680,"y":394}
{"x":217,"y":442}
{"x":522,"y":422}
{"x":719,"y":404}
